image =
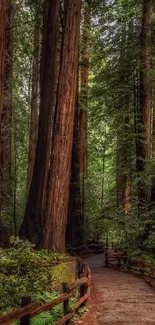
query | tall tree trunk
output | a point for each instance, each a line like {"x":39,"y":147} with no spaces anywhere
{"x":32,"y":226}
{"x":145,"y":84}
{"x":85,"y":53}
{"x":6,"y":117}
{"x":144,"y":111}
{"x":34,"y":100}
{"x":59,"y":178}
{"x":152,"y":201}
{"x":3,"y":27}
{"x":74,"y":230}
{"x":153,"y":122}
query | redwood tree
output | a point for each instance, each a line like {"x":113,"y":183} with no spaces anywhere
{"x":32,"y":226}
{"x":3,"y":27}
{"x":75,"y":222}
{"x":145,"y":84}
{"x":152,"y":201}
{"x":74,"y":230}
{"x":144,"y":109}
{"x":59,"y":178}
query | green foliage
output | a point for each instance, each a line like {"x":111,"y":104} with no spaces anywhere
{"x":64,"y":272}
{"x":80,"y":313}
{"x":48,"y":317}
{"x":24,"y":18}
{"x":25,"y":271}
{"x":114,"y":71}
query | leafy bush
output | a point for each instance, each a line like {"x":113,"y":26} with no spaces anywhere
{"x":46,"y":318}
{"x":25,"y":271}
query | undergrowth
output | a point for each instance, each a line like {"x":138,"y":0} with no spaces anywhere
{"x":27,"y":272}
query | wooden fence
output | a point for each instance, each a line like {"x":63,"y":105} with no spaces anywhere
{"x":30,"y":309}
{"x":86,"y":249}
{"x":94,"y":248}
{"x":118,"y":259}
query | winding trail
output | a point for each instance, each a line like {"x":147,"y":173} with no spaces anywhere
{"x":118,"y":298}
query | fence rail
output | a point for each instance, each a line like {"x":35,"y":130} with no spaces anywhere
{"x":118,"y":259}
{"x":30,"y":310}
{"x":86,"y":249}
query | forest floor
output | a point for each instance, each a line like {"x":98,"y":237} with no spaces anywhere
{"x":118,"y":298}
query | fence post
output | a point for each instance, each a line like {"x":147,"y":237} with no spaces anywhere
{"x":26,"y":300}
{"x":83,"y":290}
{"x":79,"y":267}
{"x":66,"y":303}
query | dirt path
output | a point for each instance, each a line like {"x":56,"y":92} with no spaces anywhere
{"x":118,"y":298}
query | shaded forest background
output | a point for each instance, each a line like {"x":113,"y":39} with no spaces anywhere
{"x":77,"y":99}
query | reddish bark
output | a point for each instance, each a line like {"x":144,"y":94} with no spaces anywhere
{"x":145,"y":85}
{"x":3,"y":26}
{"x":32,"y":226}
{"x":153,"y":124}
{"x":152,"y":200}
{"x":74,"y":230}
{"x":59,"y":178}
{"x":143,"y":142}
